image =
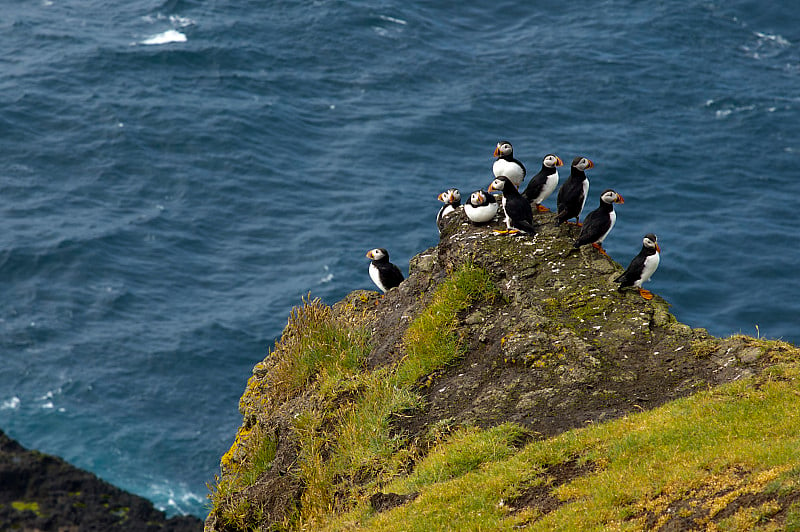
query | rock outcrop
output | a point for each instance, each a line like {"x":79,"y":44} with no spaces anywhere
{"x":40,"y":492}
{"x":559,"y":348}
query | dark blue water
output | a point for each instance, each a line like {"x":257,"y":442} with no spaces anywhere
{"x":175,"y":175}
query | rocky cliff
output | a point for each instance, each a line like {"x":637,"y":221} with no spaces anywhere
{"x":42,"y":492}
{"x":494,"y":342}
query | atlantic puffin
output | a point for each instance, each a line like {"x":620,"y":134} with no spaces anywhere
{"x":452,"y":201}
{"x":600,"y":221}
{"x":519,"y":215}
{"x":545,"y":182}
{"x":642,"y":266}
{"x":481,"y":207}
{"x":383,"y":273}
{"x":572,"y":194}
{"x":507,"y":165}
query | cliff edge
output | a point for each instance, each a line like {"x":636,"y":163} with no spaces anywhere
{"x":495,"y":347}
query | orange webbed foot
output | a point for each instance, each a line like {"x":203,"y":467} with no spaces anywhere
{"x":599,"y":248}
{"x":646,"y":294}
{"x":542,"y":208}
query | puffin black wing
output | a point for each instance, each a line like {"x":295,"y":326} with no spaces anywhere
{"x":519,"y":210}
{"x":595,"y":225}
{"x":632,"y":273}
{"x":535,"y":187}
{"x":570,"y":200}
{"x":391,"y":275}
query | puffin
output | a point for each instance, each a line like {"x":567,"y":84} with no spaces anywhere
{"x":572,"y":194}
{"x":481,"y":207}
{"x":642,"y":266}
{"x":383,"y":273}
{"x":506,"y":165}
{"x":519,"y":215}
{"x":545,"y":182}
{"x":452,"y":201}
{"x":599,"y":222}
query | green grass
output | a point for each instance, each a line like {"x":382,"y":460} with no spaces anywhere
{"x":353,"y":448}
{"x":314,"y":348}
{"x":431,"y":341}
{"x":695,"y":455}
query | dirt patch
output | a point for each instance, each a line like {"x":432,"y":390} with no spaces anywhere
{"x":381,"y":502}
{"x":540,"y":497}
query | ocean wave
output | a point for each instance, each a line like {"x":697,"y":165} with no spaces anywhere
{"x":10,"y":404}
{"x":165,"y":37}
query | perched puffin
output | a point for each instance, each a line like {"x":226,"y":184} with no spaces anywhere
{"x":452,"y":201}
{"x":518,"y":211}
{"x":383,"y":273}
{"x":506,"y":164}
{"x":481,"y":207}
{"x":572,"y":194}
{"x":545,"y":182}
{"x":642,"y":266}
{"x":600,"y":221}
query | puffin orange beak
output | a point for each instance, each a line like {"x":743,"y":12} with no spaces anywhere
{"x":559,"y":162}
{"x":497,"y":151}
{"x":620,"y":199}
{"x":369,"y":255}
{"x":439,"y":197}
{"x":658,"y":248}
{"x":591,"y":163}
{"x":491,"y":189}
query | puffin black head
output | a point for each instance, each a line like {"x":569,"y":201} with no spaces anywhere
{"x":609,"y":196}
{"x":552,"y":160}
{"x":504,"y":149}
{"x":451,"y":196}
{"x":500,"y":183}
{"x":378,"y":254}
{"x":650,"y":241}
{"x":582,"y":163}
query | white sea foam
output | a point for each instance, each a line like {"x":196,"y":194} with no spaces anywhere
{"x":777,"y":39}
{"x":165,"y":37}
{"x":10,"y":404}
{"x":326,"y":278}
{"x":392,"y":19}
{"x":177,"y":500}
{"x":181,"y":22}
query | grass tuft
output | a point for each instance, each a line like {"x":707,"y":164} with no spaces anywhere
{"x":431,"y":341}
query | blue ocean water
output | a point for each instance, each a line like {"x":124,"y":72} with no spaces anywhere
{"x":176,"y":175}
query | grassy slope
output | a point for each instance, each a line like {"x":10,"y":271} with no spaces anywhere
{"x":727,"y":459}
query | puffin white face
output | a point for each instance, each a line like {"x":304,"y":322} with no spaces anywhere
{"x":450,"y":196}
{"x":609,"y":196}
{"x":497,"y":184}
{"x":503,"y":149}
{"x":651,"y":241}
{"x":377,"y":254}
{"x":477,"y":198}
{"x":582,"y":163}
{"x":551,"y":160}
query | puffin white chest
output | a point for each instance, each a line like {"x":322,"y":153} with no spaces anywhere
{"x":482,"y":213}
{"x":612,"y":217}
{"x":585,"y":192}
{"x":549,"y":186}
{"x":510,"y":169}
{"x":650,"y":266}
{"x":375,"y":275}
